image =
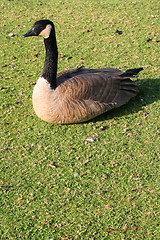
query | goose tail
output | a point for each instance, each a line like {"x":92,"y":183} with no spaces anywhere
{"x":131,"y":72}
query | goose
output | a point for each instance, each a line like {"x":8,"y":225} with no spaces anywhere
{"x":76,"y":95}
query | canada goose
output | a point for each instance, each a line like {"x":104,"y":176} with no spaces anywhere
{"x":76,"y":95}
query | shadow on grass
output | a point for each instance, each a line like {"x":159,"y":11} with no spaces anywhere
{"x":149,"y":93}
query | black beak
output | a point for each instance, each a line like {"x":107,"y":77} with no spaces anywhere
{"x":29,"y":33}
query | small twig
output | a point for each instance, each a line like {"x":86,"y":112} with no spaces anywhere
{"x":118,"y":230}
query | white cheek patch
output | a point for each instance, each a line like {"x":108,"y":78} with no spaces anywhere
{"x":46,"y":32}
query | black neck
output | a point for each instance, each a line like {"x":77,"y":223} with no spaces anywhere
{"x":49,"y":71}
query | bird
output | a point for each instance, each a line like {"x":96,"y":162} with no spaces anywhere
{"x":76,"y":95}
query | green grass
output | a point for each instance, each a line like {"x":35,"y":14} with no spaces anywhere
{"x":54,"y":184}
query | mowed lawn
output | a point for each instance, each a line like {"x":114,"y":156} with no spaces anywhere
{"x":92,"y":181}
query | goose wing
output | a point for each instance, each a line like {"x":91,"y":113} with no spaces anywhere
{"x":100,"y":86}
{"x":88,"y":95}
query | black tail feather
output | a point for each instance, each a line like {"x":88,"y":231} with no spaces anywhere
{"x":130,"y":73}
{"x":134,"y":71}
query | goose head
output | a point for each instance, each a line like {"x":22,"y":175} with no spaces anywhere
{"x":41,"y":28}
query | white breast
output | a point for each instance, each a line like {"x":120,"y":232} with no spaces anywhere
{"x":45,"y":101}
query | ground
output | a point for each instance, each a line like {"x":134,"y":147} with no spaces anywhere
{"x":97,"y":180}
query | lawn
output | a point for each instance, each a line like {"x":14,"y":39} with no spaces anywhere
{"x":54,"y":183}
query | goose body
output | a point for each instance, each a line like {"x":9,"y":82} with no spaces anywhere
{"x":76,"y":95}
